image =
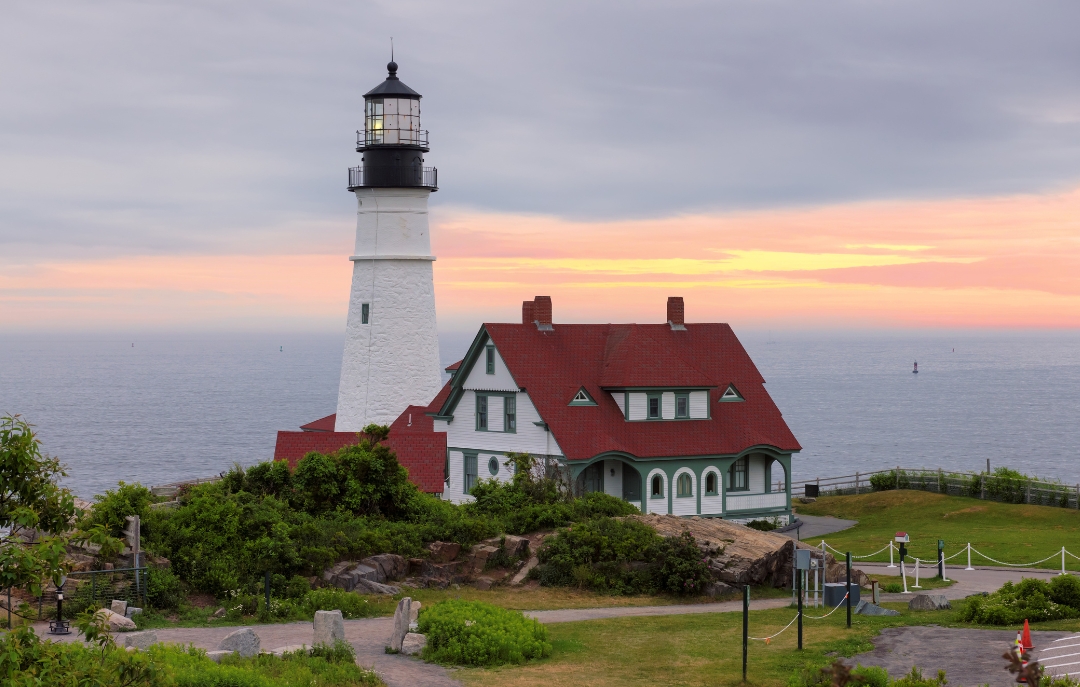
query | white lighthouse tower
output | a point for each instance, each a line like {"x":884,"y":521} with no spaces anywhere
{"x":391,"y":357}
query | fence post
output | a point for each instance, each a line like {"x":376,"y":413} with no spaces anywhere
{"x":1027,"y":491}
{"x":891,"y":565}
{"x":969,"y":557}
{"x":856,"y":482}
{"x":942,"y":489}
{"x":1062,"y":561}
{"x":798,"y":576}
{"x":93,"y":587}
{"x":897,"y":476}
{"x":1078,"y":496}
{"x":849,"y":589}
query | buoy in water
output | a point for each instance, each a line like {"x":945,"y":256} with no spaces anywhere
{"x":916,"y":370}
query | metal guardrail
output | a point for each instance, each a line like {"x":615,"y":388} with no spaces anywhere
{"x":85,"y":589}
{"x":980,"y":485}
{"x":390,"y":176}
{"x":391,"y":137}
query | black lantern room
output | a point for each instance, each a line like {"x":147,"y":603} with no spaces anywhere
{"x":392,"y":142}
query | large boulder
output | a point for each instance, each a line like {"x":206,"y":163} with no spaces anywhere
{"x":350,"y":575}
{"x":867,"y":608}
{"x":118,"y":606}
{"x":243,"y":641}
{"x":928,"y":602}
{"x":479,"y":555}
{"x":390,"y":566}
{"x":414,"y":614}
{"x":369,"y":587}
{"x":117,"y":622}
{"x":516,"y":547}
{"x":413,"y":644}
{"x":443,"y":552}
{"x":739,"y":555}
{"x":329,"y":627}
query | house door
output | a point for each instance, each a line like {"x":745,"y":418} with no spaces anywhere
{"x":631,"y":483}
{"x":591,"y":479}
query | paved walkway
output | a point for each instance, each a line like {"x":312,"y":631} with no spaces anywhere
{"x":968,"y":582}
{"x":817,"y":526}
{"x":968,"y":657}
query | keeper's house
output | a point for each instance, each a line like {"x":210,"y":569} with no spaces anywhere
{"x":672,"y":417}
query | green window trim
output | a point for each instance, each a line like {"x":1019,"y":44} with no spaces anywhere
{"x":470,"y":473}
{"x":654,"y":401}
{"x":714,"y":477}
{"x":510,"y":414}
{"x":740,"y":475}
{"x":682,"y":405}
{"x":493,"y":466}
{"x":731,"y":395}
{"x":481,"y":413}
{"x":626,"y":405}
{"x":582,"y":398}
{"x":490,"y":359}
{"x":684,"y":486}
{"x":656,"y":487}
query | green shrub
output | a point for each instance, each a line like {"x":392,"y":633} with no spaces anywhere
{"x":893,"y":588}
{"x":764,"y":525}
{"x":111,"y":509}
{"x":915,"y":679}
{"x":622,"y":557}
{"x":883,"y":481}
{"x":27,"y":660}
{"x":164,"y":590}
{"x":1031,"y":599}
{"x":331,"y":598}
{"x":871,"y":676}
{"x":480,"y":634}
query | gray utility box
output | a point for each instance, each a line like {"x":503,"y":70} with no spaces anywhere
{"x":834,"y":594}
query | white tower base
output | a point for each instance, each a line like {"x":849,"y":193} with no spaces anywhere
{"x":392,"y":360}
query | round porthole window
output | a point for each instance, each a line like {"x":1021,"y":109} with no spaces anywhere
{"x":493,"y":466}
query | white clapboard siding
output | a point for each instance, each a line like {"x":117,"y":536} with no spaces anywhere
{"x":712,"y":505}
{"x":699,"y":404}
{"x":756,"y":501}
{"x":637,"y":405}
{"x":529,"y":438}
{"x":684,"y":505}
{"x":667,"y":405}
{"x":756,"y":477}
{"x":478,"y":378}
{"x":656,"y":504}
{"x":620,"y":400}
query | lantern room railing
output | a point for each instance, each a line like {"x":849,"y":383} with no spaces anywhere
{"x":393,"y":176}
{"x":391,"y":137}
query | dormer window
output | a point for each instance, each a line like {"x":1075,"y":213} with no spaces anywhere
{"x":654,"y":406}
{"x":682,"y":405}
{"x":582,"y":398}
{"x":731,"y":394}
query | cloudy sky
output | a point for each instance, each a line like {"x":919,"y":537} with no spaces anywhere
{"x":828,"y":163}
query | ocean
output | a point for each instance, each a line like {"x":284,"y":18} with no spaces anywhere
{"x":160,"y":408}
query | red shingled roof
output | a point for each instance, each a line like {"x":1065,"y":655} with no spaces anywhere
{"x":553,"y":365}
{"x":323,"y":424}
{"x":420,"y":449}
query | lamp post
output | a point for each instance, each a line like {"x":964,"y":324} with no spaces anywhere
{"x":59,"y":626}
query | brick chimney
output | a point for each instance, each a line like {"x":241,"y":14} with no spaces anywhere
{"x":675,"y":313}
{"x":527,"y":312}
{"x":541,"y":313}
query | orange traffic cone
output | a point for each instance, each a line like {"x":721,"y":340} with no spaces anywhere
{"x":1025,"y":639}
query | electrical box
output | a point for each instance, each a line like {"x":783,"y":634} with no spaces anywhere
{"x":902,"y":538}
{"x":802,"y":559}
{"x":834,"y":594}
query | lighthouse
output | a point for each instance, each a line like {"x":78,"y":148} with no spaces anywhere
{"x":391,"y":357}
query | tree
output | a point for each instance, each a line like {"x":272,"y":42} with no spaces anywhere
{"x":36,"y":514}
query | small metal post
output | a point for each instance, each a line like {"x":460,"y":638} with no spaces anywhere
{"x":848,"y":589}
{"x":903,"y":575}
{"x":800,"y":607}
{"x":891,"y":564}
{"x":93,"y":587}
{"x":1062,"y":570}
{"x":745,"y":627}
{"x":969,"y":557}
{"x":941,"y":559}
{"x":916,"y":585}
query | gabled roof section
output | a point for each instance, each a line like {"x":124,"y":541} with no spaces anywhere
{"x":453,"y":366}
{"x":731,"y":394}
{"x":454,"y":389}
{"x":552,"y":366}
{"x":634,"y":358}
{"x":323,"y":424}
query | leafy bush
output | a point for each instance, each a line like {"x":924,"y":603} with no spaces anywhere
{"x":764,"y":525}
{"x":111,"y":509}
{"x":813,"y":674}
{"x":883,"y":481}
{"x":27,"y":660}
{"x":915,"y":679}
{"x":893,"y":588}
{"x":480,"y":634}
{"x":1031,"y":599}
{"x":164,"y":590}
{"x":622,"y":557}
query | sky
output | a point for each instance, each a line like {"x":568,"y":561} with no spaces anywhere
{"x":838,"y":163}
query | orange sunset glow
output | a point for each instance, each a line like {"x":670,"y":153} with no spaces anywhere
{"x":990,"y":262}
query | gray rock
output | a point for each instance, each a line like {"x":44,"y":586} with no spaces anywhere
{"x":215,"y":656}
{"x":413,"y":644}
{"x":290,"y":649}
{"x":119,"y":607}
{"x":867,"y":608}
{"x":333,"y":571}
{"x":243,"y":641}
{"x":716,"y":589}
{"x":484,"y":583}
{"x":117,"y":622}
{"x":401,"y":624}
{"x":132,"y":611}
{"x":414,"y":615}
{"x":219,"y":613}
{"x":329,"y":627}
{"x":390,"y":566}
{"x":140,"y":640}
{"x":369,"y":587}
{"x":517,"y":547}
{"x":443,"y":552}
{"x":929,"y":602}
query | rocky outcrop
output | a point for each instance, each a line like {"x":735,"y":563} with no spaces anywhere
{"x":443,"y":552}
{"x":740,"y":555}
{"x":368,"y":576}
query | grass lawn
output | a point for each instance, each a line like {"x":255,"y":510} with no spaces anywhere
{"x":700,"y":650}
{"x":1008,"y":532}
{"x":926,"y":581}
